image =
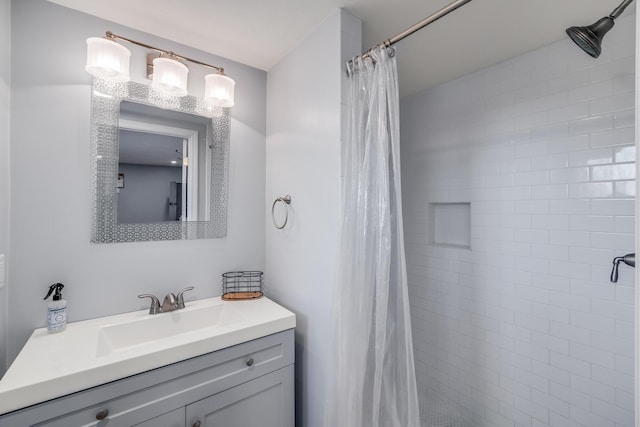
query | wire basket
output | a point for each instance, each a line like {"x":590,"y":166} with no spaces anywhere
{"x":242,"y":285}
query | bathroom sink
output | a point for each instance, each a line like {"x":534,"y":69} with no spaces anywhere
{"x":96,"y":351}
{"x":179,"y":324}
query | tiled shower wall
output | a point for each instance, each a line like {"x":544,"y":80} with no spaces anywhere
{"x":524,"y":328}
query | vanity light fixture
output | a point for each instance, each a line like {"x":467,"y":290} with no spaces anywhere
{"x":109,"y":60}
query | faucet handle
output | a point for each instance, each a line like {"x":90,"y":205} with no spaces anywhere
{"x":155,"y":304}
{"x":180,"y":297}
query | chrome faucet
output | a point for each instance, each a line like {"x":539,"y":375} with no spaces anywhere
{"x":171,"y":302}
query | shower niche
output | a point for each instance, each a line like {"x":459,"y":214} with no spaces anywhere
{"x":450,"y":224}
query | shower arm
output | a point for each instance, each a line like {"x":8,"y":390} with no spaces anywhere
{"x":618,"y":10}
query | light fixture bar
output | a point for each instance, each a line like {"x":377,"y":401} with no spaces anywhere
{"x":171,"y":54}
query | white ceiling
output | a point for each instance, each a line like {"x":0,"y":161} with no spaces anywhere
{"x":261,"y":32}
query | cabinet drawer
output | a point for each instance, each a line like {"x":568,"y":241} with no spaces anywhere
{"x":141,"y":397}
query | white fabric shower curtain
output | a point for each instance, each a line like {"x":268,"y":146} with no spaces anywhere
{"x":374,"y":376}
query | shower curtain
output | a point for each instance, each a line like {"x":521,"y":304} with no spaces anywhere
{"x":374,"y":377}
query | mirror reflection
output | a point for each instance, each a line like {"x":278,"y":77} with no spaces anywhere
{"x":162,"y":165}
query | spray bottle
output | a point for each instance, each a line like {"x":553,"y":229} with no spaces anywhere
{"x":56,"y":310}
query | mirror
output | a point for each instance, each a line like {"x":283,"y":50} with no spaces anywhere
{"x":163,"y":166}
{"x":159,"y":165}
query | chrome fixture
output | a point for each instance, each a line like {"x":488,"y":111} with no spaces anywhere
{"x":171,"y":302}
{"x":286,"y":200}
{"x":109,"y":60}
{"x":629,"y":259}
{"x":589,"y":38}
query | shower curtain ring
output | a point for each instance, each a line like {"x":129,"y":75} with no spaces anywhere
{"x":287,"y":201}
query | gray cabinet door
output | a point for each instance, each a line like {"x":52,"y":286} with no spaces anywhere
{"x":267,"y":401}
{"x":170,"y":419}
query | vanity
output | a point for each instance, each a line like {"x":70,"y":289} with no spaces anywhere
{"x":214,"y":363}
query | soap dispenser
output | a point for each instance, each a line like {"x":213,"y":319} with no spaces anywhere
{"x":56,"y":310}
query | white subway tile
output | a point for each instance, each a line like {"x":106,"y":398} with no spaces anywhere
{"x":624,"y":189}
{"x":572,"y":206}
{"x":617,"y":241}
{"x":569,"y":81}
{"x":551,"y":131}
{"x":515,"y":165}
{"x":591,"y":124}
{"x":552,"y":161}
{"x":615,"y":309}
{"x":591,"y":256}
{"x":550,"y":222}
{"x":624,"y":365}
{"x":569,"y":144}
{"x":571,"y":270}
{"x":550,"y":252}
{"x":592,"y":91}
{"x":625,"y":154}
{"x":595,"y":290}
{"x":553,"y":313}
{"x":591,"y":190}
{"x":530,"y":91}
{"x":569,"y":175}
{"x":617,"y":102}
{"x":531,"y":236}
{"x":532,"y":207}
{"x":587,"y":418}
{"x":515,"y":193}
{"x":591,"y":223}
{"x":624,"y":224}
{"x":623,"y":119}
{"x":554,"y":404}
{"x":529,"y":121}
{"x":614,"y":172}
{"x":613,"y":207}
{"x":593,"y":322}
{"x":569,"y":112}
{"x":611,"y":138}
{"x":532,"y":178}
{"x":614,"y":344}
{"x":554,"y":191}
{"x":591,"y":157}
{"x":610,"y":69}
{"x":571,"y":238}
{"x":610,"y":411}
{"x":570,"y":364}
{"x":593,"y":355}
{"x":625,"y":400}
{"x":550,"y":282}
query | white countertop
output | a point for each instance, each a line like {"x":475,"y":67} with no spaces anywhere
{"x":96,"y":351}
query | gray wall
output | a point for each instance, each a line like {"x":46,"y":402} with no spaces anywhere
{"x":524,"y":329}
{"x":5,"y":68}
{"x":145,"y":196}
{"x":305,"y":124}
{"x":50,"y":210}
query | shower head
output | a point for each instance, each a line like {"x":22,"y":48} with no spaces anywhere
{"x":589,"y":38}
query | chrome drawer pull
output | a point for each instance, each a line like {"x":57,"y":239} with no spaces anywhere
{"x":102,"y":414}
{"x":249,"y":361}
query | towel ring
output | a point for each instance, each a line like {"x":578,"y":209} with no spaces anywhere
{"x":287,"y":201}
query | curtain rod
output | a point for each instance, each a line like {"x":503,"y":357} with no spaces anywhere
{"x":420,"y":25}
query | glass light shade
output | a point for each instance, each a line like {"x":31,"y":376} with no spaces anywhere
{"x":169,"y":77}
{"x":107,"y":59}
{"x":218,"y":89}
